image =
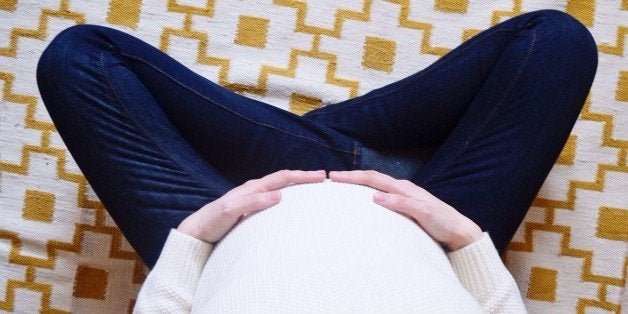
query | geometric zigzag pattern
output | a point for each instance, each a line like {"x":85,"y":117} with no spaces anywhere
{"x":61,"y":252}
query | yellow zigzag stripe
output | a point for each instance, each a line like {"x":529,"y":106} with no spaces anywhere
{"x":426,"y":47}
{"x":265,"y":70}
{"x":618,"y":49}
{"x":44,"y":289}
{"x":340,"y":14}
{"x":499,"y":14}
{"x":40,"y":31}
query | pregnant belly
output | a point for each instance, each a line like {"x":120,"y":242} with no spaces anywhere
{"x":328,"y":244}
{"x":329,"y":221}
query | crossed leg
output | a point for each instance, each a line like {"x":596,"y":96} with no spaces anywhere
{"x":157,"y":141}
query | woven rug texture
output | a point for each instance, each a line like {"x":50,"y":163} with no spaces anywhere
{"x":61,"y":252}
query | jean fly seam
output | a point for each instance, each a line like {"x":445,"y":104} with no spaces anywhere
{"x":493,"y":110}
{"x":139,"y":127}
{"x":426,"y":71}
{"x":225,"y":108}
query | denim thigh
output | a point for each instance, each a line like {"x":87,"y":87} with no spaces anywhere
{"x":157,"y":141}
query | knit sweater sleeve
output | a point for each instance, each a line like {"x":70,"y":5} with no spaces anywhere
{"x":481,"y":271}
{"x":170,"y":286}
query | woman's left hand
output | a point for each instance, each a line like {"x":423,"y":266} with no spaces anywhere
{"x":440,"y":220}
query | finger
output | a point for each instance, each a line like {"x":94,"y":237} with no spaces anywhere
{"x":376,"y":180}
{"x":419,"y":210}
{"x":275,"y":181}
{"x":282,"y":178}
{"x":236,"y":207}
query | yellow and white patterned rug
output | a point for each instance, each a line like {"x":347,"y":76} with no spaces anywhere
{"x":61,"y":252}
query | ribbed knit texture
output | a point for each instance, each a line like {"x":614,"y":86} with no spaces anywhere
{"x":327,"y":248}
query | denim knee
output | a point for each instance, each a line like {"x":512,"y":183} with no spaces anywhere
{"x":70,"y":61}
{"x":72,"y":46}
{"x":569,"y":34}
{"x":568,"y":49}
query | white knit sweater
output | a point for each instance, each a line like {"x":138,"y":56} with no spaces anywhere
{"x":327,"y":248}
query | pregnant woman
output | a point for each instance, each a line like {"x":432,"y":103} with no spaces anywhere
{"x":429,"y":176}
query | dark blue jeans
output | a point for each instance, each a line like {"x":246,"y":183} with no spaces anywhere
{"x":480,"y":128}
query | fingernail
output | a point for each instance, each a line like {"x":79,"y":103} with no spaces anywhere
{"x":379,"y":196}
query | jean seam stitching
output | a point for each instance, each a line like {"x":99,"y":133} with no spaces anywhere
{"x":428,"y":70}
{"x":139,"y":127}
{"x":492,"y":113}
{"x":225,"y":108}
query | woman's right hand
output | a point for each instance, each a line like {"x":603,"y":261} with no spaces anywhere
{"x":214,"y":220}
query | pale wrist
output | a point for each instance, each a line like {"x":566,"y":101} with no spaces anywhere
{"x":465,"y":236}
{"x":189,"y":227}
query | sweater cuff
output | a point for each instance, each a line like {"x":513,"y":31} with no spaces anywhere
{"x":478,"y":265}
{"x":183,"y":257}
